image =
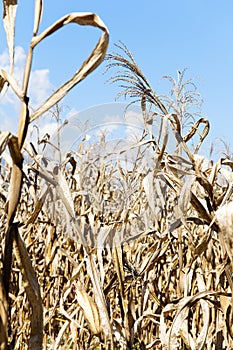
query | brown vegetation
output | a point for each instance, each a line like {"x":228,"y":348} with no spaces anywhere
{"x":154,"y":274}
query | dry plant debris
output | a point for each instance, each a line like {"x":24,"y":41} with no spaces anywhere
{"x":154,"y":274}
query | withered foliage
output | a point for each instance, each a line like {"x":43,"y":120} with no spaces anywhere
{"x":97,"y":255}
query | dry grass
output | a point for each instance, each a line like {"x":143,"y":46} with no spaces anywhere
{"x":119,"y":258}
{"x":164,"y":266}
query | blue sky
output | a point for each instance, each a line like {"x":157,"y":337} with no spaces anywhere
{"x":164,"y":36}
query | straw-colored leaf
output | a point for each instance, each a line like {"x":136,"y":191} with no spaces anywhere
{"x":33,"y":292}
{"x":3,"y":317}
{"x":152,"y":256}
{"x":149,"y":189}
{"x":23,"y":122}
{"x":16,"y":178}
{"x":65,"y":193}
{"x":9,"y":15}
{"x":91,"y":63}
{"x":201,"y":340}
{"x":164,"y":135}
{"x":185,"y":196}
{"x":4,"y":139}
{"x":90,"y":310}
{"x":183,"y":308}
{"x":38,"y":206}
{"x":194,"y":130}
{"x":37,"y":15}
{"x":226,"y":305}
{"x":99,"y":296}
{"x":5,"y":77}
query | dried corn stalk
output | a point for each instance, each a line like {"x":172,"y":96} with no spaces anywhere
{"x":16,"y":145}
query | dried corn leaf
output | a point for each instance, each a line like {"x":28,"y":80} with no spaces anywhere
{"x":180,"y":165}
{"x":3,"y":317}
{"x":33,"y":293}
{"x":187,"y":337}
{"x":62,"y":331}
{"x":37,"y":15}
{"x":16,"y":178}
{"x":214,"y":172}
{"x":9,"y":15}
{"x":152,"y":256}
{"x":228,"y":162}
{"x":117,"y":255}
{"x":23,"y":122}
{"x":65,"y":193}
{"x":226,"y":305}
{"x":92,"y":62}
{"x":90,"y":310}
{"x":201,"y":340}
{"x":149,"y":189}
{"x":38,"y":206}
{"x":99,"y":297}
{"x":203,"y":244}
{"x":183,"y":308}
{"x":4,"y":139}
{"x":185,"y":196}
{"x":164,"y":134}
{"x":194,"y":130}
{"x":5,"y":77}
{"x":203,"y":213}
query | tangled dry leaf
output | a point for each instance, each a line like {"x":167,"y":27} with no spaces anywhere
{"x":154,"y":272}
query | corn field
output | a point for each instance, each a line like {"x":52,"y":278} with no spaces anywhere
{"x":98,"y":253}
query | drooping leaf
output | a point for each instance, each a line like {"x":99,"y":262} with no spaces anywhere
{"x":90,"y":64}
{"x":183,"y":308}
{"x":8,"y":78}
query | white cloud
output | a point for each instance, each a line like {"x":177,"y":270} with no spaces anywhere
{"x":20,"y":56}
{"x":40,"y":88}
{"x":4,"y":59}
{"x":135,"y":118}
